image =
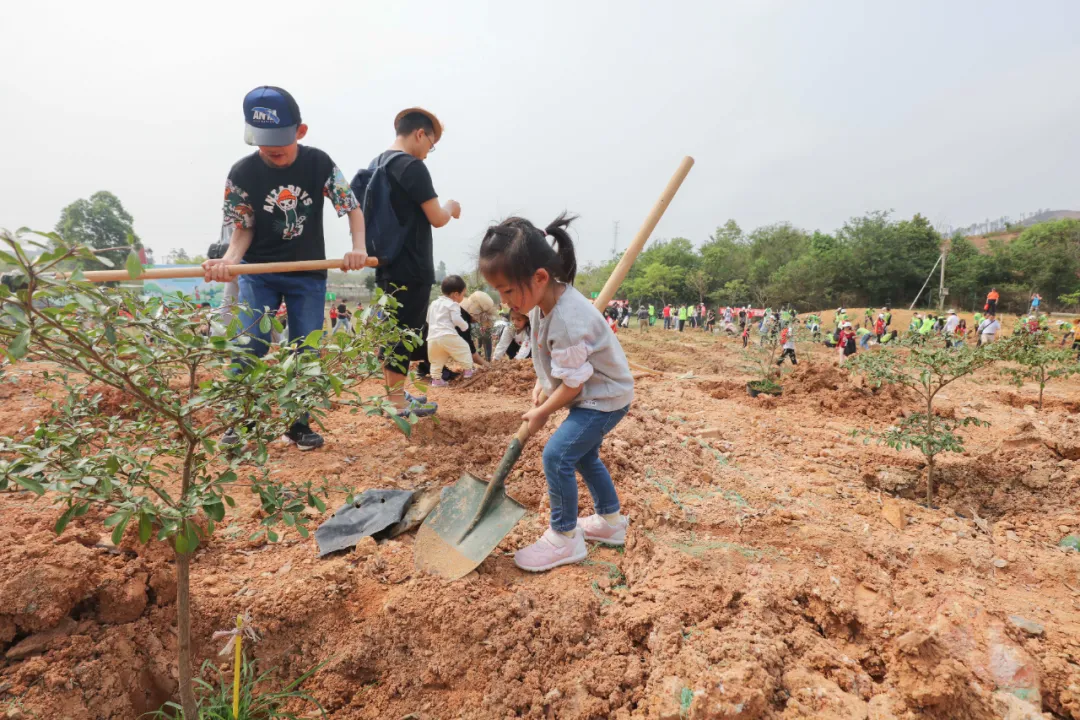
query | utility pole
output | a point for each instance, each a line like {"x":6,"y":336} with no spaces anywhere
{"x":615,"y":240}
{"x":941,"y":284}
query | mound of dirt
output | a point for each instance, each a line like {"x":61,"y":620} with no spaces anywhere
{"x":1015,"y":400}
{"x":834,"y":391}
{"x":511,"y":377}
{"x":723,"y":389}
{"x":113,"y":401}
{"x":653,"y":360}
{"x":759,"y":579}
{"x":807,"y":379}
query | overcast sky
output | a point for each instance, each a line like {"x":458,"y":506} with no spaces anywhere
{"x":810,"y":112}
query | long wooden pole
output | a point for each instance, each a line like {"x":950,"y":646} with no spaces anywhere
{"x":927,"y":281}
{"x":197,"y":272}
{"x":642,"y":236}
{"x":612,"y":284}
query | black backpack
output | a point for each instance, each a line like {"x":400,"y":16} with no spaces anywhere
{"x":384,"y":232}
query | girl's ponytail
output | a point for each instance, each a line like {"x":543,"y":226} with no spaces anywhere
{"x":557,"y":230}
{"x":515,"y":249}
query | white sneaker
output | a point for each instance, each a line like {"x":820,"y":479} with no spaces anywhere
{"x":597,"y":529}
{"x":552,"y":550}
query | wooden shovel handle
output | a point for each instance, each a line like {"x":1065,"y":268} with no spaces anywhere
{"x":198,"y":272}
{"x":522,"y":435}
{"x":628,"y":258}
{"x":643,"y":233}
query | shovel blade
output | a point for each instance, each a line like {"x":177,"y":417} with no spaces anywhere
{"x":437,"y":548}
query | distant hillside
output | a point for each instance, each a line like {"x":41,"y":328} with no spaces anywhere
{"x":982,"y":240}
{"x":1047,"y":215}
{"x":1003,"y":223}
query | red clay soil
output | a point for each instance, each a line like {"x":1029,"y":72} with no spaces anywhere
{"x":762,"y":577}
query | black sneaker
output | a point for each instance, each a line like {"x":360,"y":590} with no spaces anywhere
{"x":231,"y":440}
{"x":304,"y":437}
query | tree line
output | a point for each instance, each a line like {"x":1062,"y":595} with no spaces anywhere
{"x":870,"y":261}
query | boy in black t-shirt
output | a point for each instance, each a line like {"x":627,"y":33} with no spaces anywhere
{"x":412,"y":273}
{"x":274,"y":202}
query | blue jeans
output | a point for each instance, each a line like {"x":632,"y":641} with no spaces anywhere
{"x":864,"y":341}
{"x":576,"y":445}
{"x":304,"y":297}
{"x":305,"y":300}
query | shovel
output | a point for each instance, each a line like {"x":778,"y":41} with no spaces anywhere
{"x":475,"y":516}
{"x":197,"y":272}
{"x":472,"y":518}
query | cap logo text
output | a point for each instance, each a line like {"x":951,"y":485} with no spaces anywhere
{"x":264,"y":115}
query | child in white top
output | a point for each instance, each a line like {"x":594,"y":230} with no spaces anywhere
{"x":579,"y":364}
{"x":443,"y":321}
{"x":514,"y":341}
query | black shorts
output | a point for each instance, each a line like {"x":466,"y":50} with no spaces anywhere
{"x":413,"y":303}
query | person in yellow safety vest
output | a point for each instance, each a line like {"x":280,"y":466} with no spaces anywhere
{"x":927,"y":324}
{"x":840,"y":317}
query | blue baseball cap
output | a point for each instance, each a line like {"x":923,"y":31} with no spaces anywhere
{"x":271,"y":117}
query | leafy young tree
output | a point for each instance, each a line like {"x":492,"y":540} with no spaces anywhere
{"x":726,"y":255}
{"x":369,"y":282}
{"x":1036,"y":359}
{"x":892,"y":258}
{"x":967,"y":271}
{"x":156,"y":466}
{"x":818,"y":278}
{"x":676,"y":252}
{"x":926,"y":370}
{"x":772,"y":247}
{"x":734,"y":292}
{"x":760,"y":360}
{"x":440,"y":272}
{"x":1047,"y":257}
{"x":99,"y":222}
{"x":1070,"y":300}
{"x":656,"y":281}
{"x":591,"y":278}
{"x":699,"y":281}
{"x":178,"y":256}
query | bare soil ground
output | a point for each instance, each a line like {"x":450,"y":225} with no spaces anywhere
{"x":762,"y":577}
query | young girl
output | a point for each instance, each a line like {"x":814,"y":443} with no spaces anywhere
{"x":579,"y":364}
{"x":514,"y":341}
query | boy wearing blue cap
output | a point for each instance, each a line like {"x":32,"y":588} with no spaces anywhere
{"x":274,"y":203}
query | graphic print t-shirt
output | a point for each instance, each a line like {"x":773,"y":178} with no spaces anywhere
{"x":285,"y":205}
{"x":410,"y":187}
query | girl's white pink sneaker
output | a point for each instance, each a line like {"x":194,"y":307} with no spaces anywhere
{"x":597,"y":529}
{"x":552,"y":550}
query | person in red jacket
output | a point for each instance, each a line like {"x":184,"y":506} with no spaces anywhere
{"x":879,"y":327}
{"x":846,"y":342}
